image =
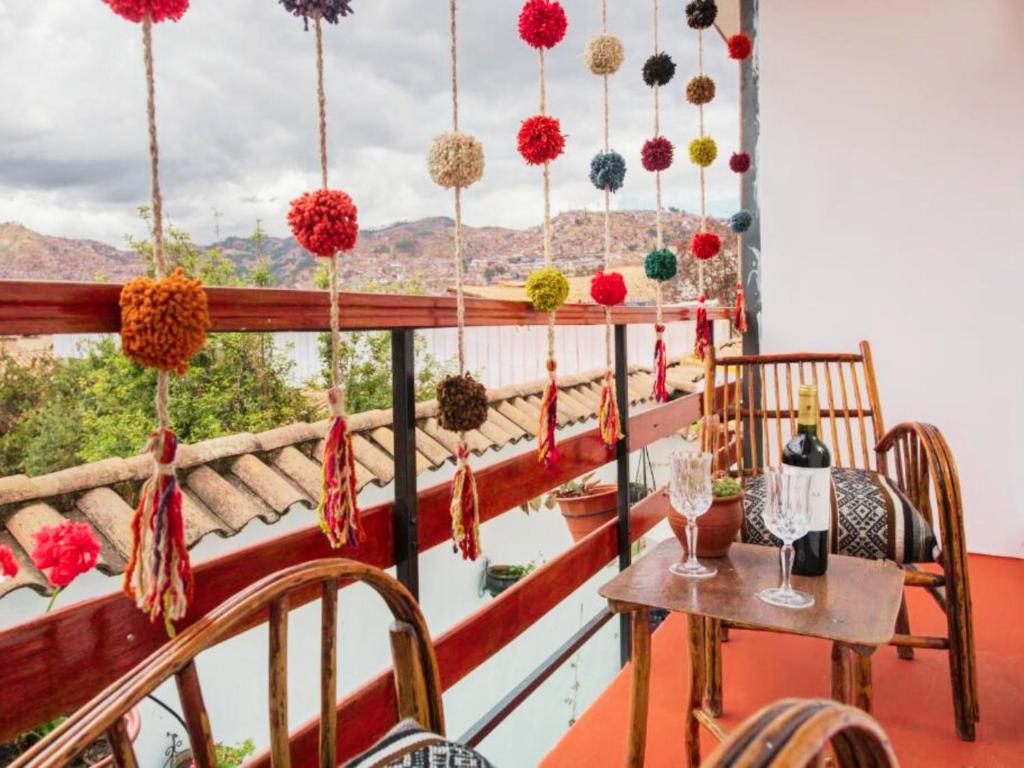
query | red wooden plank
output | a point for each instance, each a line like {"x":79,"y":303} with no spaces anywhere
{"x":28,"y":307}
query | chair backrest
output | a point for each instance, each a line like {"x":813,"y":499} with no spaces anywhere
{"x":756,"y":396}
{"x":417,"y":680}
{"x":794,"y":733}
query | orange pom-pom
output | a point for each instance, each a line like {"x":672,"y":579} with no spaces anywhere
{"x":163,"y":322}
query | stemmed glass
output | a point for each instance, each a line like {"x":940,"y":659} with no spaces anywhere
{"x":690,"y":491}
{"x":787,"y":514}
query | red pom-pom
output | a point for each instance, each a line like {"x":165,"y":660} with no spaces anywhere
{"x":324,"y":222}
{"x":608,"y":288}
{"x":657,"y":154}
{"x":542,"y":23}
{"x":705,"y":245}
{"x":158,"y":10}
{"x":740,"y":47}
{"x":541,"y":139}
{"x":739,"y":162}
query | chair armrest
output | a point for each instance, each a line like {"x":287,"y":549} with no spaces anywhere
{"x":792,"y":733}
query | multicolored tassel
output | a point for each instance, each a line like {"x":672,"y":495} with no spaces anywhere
{"x":465,"y":508}
{"x":608,"y":413}
{"x":547,"y":451}
{"x":703,"y":339}
{"x":338,"y":510}
{"x":660,"y":391}
{"x":739,"y":318}
{"x":159,"y":577}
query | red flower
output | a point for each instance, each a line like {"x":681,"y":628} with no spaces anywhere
{"x":8,"y":565}
{"x":657,"y":154}
{"x":739,"y":162}
{"x":69,"y":549}
{"x":541,"y":139}
{"x":324,"y":222}
{"x":705,"y":245}
{"x":542,"y":23}
{"x":608,"y":288}
{"x":740,"y":47}
{"x":159,"y":10}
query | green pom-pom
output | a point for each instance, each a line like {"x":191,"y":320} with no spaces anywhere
{"x":661,"y":265}
{"x":548,"y":289}
{"x":703,"y":151}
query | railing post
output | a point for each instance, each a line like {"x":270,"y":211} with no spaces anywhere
{"x":403,"y":399}
{"x":622,"y":469}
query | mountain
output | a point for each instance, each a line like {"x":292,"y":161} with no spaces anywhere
{"x":412,"y":250}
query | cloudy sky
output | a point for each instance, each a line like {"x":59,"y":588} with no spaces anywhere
{"x":236,"y":112}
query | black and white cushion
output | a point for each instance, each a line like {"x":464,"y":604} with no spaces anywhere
{"x":407,"y":745}
{"x":871,"y":518}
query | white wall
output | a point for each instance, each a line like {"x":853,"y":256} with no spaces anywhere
{"x":892,"y":190}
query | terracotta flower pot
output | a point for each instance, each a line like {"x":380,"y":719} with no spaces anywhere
{"x":584,"y":514}
{"x":716,"y":528}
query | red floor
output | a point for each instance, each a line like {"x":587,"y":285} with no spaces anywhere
{"x":912,"y":698}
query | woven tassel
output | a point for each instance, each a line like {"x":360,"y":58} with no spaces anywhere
{"x":660,"y":391}
{"x":465,"y":508}
{"x":547,"y":451}
{"x":338,"y":510}
{"x":159,"y":577}
{"x":740,"y":312}
{"x":703,"y":329}
{"x":608,"y":413}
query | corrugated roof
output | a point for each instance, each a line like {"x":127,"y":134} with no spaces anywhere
{"x":229,"y":481}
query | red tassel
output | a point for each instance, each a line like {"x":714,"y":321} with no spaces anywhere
{"x":547,"y":451}
{"x":740,"y":312}
{"x":660,"y":392}
{"x":703,"y":339}
{"x":159,"y":577}
{"x":338,"y":510}
{"x":465,"y":508}
{"x":608,"y":413}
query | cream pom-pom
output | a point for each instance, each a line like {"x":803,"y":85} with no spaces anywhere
{"x":605,"y":54}
{"x":455,"y":160}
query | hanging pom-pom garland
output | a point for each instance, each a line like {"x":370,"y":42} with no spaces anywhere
{"x":608,"y":170}
{"x":705,"y":245}
{"x":542,"y":23}
{"x":656,"y":154}
{"x":659,"y":69}
{"x":739,"y":162}
{"x":608,"y":289}
{"x":740,"y":47}
{"x":703,"y":151}
{"x":604,"y":54}
{"x":700,"y":90}
{"x":661,"y":265}
{"x":325,"y":222}
{"x":456,"y":160}
{"x":547,"y":288}
{"x":540,"y":139}
{"x":701,"y":14}
{"x":740,"y":222}
{"x":163,"y":324}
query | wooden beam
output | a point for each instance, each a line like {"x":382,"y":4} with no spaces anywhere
{"x":32,"y":307}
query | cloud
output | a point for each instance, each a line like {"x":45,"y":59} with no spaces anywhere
{"x":236,"y":111}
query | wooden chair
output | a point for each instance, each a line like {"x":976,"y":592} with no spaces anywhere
{"x":417,"y":680}
{"x":754,"y":398}
{"x":794,"y":733}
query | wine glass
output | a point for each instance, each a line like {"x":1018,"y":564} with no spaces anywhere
{"x":690,"y":492}
{"x":787,"y":514}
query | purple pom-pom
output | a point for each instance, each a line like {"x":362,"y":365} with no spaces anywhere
{"x":329,"y":10}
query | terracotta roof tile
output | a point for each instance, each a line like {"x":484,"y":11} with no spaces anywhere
{"x":110,"y":515}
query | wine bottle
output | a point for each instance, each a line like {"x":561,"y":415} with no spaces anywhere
{"x":806,"y":454}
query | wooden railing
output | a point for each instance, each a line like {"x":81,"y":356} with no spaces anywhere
{"x":56,"y":663}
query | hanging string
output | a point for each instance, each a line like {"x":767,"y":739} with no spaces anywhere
{"x":549,"y":402}
{"x":740,"y":307}
{"x":703,"y":190}
{"x":659,"y":389}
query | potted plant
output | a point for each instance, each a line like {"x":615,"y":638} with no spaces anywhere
{"x":586,"y":504}
{"x":717,"y":528}
{"x":498,"y":578}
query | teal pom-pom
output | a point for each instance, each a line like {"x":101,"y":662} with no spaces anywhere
{"x":661,"y":265}
{"x":608,"y":170}
{"x":740,"y":221}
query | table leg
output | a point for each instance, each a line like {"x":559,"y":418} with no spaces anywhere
{"x":713,"y":668}
{"x":841,"y":673}
{"x":862,"y":686}
{"x":641,"y":687}
{"x":696,"y":693}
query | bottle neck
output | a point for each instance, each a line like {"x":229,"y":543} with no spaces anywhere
{"x":807,"y":429}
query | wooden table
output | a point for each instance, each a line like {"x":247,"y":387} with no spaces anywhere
{"x":855,"y":606}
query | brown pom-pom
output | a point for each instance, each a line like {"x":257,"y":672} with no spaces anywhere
{"x":163,"y":322}
{"x":700,"y":90}
{"x":461,"y":403}
{"x":604,"y":54}
{"x":455,"y":160}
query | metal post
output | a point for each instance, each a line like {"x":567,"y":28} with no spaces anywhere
{"x":403,"y":398}
{"x":622,"y":467}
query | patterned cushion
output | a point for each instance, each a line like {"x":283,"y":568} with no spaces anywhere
{"x":870,"y":518}
{"x":409,"y":746}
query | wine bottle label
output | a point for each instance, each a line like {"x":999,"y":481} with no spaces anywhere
{"x":820,"y":494}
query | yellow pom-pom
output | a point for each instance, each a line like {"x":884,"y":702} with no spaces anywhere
{"x":604,"y":54}
{"x":703,"y":151}
{"x":548,"y":289}
{"x":455,"y":160}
